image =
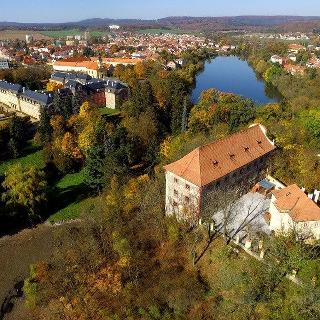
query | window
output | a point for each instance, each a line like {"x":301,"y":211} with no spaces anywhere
{"x":187,"y":200}
{"x":175,"y":192}
{"x":187,"y":187}
{"x":175,"y":204}
{"x":175,"y":180}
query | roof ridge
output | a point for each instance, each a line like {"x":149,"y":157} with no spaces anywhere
{"x":231,"y":135}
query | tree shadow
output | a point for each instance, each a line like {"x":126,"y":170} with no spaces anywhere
{"x":62,"y":198}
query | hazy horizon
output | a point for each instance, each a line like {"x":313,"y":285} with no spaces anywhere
{"x":39,"y":11}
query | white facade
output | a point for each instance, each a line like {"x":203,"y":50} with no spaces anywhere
{"x":182,"y":197}
{"x":276,"y":59}
{"x":78,"y":69}
{"x":281,"y":222}
{"x":10,"y":99}
{"x":4,"y":64}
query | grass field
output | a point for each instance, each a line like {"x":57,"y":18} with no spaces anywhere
{"x":33,"y":156}
{"x":21,"y":35}
{"x":71,"y":198}
{"x":110,"y":112}
{"x":74,"y":210}
{"x":157,"y":31}
{"x":71,"y":32}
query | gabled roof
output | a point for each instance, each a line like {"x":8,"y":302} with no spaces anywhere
{"x":41,"y":98}
{"x":91,"y":65}
{"x":294,"y":201}
{"x":10,"y":86}
{"x":213,"y":161}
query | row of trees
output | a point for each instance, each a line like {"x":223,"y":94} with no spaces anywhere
{"x":32,"y":77}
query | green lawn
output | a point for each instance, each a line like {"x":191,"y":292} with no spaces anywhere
{"x":33,"y":157}
{"x":73,"y":211}
{"x":108,"y":111}
{"x":71,"y":180}
{"x":70,"y":32}
{"x":158,"y":31}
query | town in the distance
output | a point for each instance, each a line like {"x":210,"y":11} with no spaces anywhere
{"x":160,"y":169}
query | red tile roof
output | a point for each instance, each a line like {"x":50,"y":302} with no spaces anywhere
{"x":83,"y":64}
{"x":219,"y":158}
{"x":293,"y":200}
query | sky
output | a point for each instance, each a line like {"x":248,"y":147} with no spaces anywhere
{"x":75,"y":10}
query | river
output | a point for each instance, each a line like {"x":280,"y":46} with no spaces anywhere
{"x":231,"y":74}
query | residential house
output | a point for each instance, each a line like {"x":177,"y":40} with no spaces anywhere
{"x":294,"y":69}
{"x":295,"y":48}
{"x":276,"y":59}
{"x":292,"y":210}
{"x":237,"y":161}
{"x":4,"y":64}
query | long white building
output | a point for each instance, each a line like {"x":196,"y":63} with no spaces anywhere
{"x":23,"y":100}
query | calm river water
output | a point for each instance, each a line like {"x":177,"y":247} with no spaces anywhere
{"x":230,"y":74}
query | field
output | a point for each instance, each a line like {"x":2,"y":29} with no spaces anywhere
{"x":21,"y":35}
{"x":33,"y":156}
{"x":72,"y":32}
{"x":158,"y":31}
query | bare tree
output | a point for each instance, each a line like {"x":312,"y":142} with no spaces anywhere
{"x":230,"y":214}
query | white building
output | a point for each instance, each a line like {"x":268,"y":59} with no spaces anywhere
{"x":22,"y":100}
{"x":4,"y":64}
{"x":114,"y":27}
{"x":292,"y":210}
{"x":239,"y":160}
{"x":29,"y":38}
{"x":276,"y":59}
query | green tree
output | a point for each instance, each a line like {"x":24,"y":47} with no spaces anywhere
{"x":94,"y":170}
{"x":25,"y":188}
{"x":18,"y":136}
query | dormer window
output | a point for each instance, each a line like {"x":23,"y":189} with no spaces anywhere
{"x":246,"y":149}
{"x":232,"y":156}
{"x":215,"y":162}
{"x":259,"y":142}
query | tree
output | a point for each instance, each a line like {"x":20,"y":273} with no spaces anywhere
{"x":272,"y":72}
{"x":231,"y":215}
{"x":18,"y":136}
{"x":54,"y":86}
{"x":94,"y":169}
{"x":26,"y":188}
{"x":45,"y":130}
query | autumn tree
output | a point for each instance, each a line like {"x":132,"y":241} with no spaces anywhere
{"x":25,"y":188}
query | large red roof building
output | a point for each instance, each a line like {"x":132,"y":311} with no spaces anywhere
{"x":239,"y":160}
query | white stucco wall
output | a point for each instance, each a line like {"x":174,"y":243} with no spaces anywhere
{"x":281,"y":222}
{"x":10,"y":99}
{"x":92,"y":73}
{"x":30,"y":108}
{"x":177,"y":190}
{"x":110,"y":99}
